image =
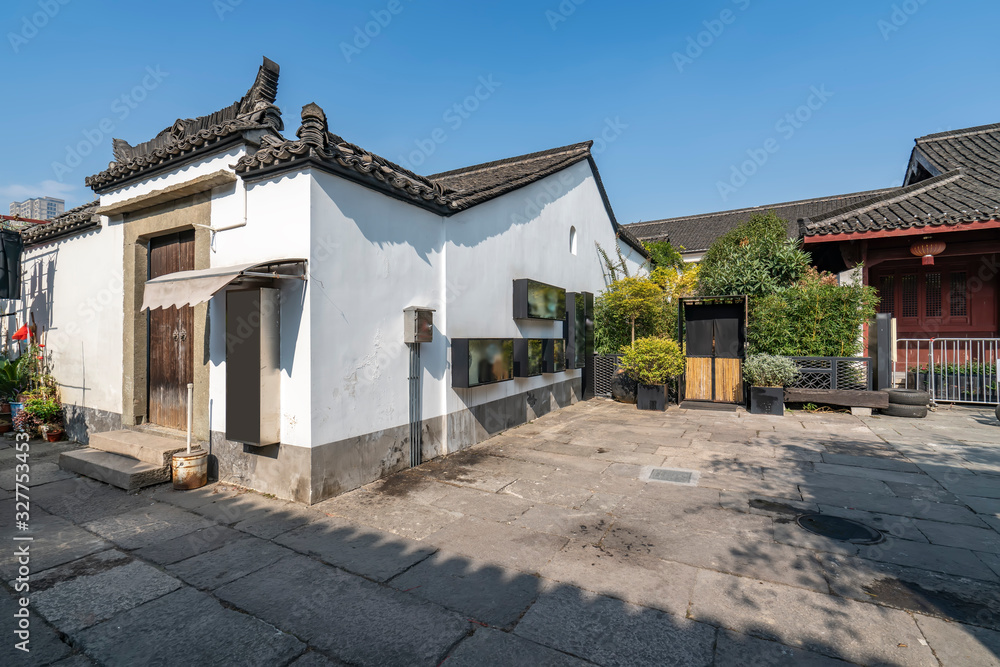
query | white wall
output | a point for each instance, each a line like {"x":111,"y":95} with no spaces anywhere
{"x":371,"y":256}
{"x":277,"y":227}
{"x":525,"y":234}
{"x":74,"y":288}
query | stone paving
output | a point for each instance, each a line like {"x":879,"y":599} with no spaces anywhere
{"x":547,"y":545}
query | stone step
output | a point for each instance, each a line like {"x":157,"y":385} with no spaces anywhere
{"x":121,"y":471}
{"x":156,"y":450}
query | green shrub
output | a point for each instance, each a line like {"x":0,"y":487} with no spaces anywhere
{"x":768,"y":370}
{"x":652,"y":360}
{"x":45,"y":409}
{"x":15,"y":377}
{"x":814,"y":318}
{"x":756,"y":258}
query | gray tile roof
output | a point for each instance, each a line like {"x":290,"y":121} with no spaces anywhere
{"x":473,"y":185}
{"x":953,"y":178}
{"x":253,"y":113}
{"x":446,"y":193}
{"x":73,"y":221}
{"x":695,"y":233}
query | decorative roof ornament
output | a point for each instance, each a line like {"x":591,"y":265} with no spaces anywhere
{"x":254,"y":111}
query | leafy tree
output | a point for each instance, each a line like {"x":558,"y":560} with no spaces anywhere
{"x":664,"y":255}
{"x":631,"y":300}
{"x":755,"y":258}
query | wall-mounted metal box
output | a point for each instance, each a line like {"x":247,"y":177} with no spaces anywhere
{"x":253,"y":366}
{"x":538,"y":301}
{"x":480,"y":361}
{"x":529,"y":357}
{"x":418,"y":325}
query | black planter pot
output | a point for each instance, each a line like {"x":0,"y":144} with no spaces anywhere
{"x":652,"y":397}
{"x":767,"y":401}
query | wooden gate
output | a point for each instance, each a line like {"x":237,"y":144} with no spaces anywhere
{"x":714,"y":334}
{"x":171,"y":362}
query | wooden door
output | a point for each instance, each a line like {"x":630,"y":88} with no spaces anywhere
{"x":714,"y":341}
{"x":171,"y":359}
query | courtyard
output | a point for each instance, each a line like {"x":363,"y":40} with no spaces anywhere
{"x":598,"y":534}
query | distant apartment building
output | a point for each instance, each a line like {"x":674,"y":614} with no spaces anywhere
{"x":38,"y":208}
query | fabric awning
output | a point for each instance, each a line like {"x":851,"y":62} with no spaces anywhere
{"x":189,"y":288}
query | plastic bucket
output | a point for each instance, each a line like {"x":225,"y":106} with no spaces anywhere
{"x":190,"y":471}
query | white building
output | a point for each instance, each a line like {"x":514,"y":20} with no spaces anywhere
{"x":38,"y":208}
{"x":228,"y":193}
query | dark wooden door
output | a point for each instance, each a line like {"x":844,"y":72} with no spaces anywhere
{"x":171,"y":362}
{"x":714,"y":342}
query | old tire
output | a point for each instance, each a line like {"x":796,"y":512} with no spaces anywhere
{"x":910,"y":411}
{"x":909,"y":397}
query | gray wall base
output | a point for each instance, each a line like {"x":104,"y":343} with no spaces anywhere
{"x":81,"y":422}
{"x":310,"y":475}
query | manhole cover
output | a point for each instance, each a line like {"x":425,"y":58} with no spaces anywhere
{"x":672,"y":476}
{"x":838,"y":528}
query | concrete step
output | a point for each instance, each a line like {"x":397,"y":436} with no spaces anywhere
{"x":156,"y":450}
{"x":121,"y":471}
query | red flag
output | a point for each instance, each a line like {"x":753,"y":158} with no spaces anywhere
{"x":21,"y":334}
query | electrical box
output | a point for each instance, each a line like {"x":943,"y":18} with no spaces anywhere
{"x":418,"y":325}
{"x":253,"y":366}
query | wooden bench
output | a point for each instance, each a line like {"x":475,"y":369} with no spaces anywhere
{"x":843,"y":397}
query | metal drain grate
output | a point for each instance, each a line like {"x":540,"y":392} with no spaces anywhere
{"x":671,"y":476}
{"x":840,"y":529}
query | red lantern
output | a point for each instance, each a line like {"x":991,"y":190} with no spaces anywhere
{"x":926,"y":250}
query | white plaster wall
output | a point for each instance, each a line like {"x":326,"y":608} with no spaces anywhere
{"x":74,"y":288}
{"x":524,"y":234}
{"x":209,"y":164}
{"x":277,"y":227}
{"x":371,"y":256}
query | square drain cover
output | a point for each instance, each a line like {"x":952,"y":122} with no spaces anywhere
{"x":672,"y":476}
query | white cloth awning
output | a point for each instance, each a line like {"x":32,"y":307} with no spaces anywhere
{"x":189,"y":288}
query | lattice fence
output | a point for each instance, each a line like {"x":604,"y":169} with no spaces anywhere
{"x":605,"y":366}
{"x":834,"y":373}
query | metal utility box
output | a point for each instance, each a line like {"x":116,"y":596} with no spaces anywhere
{"x":418,"y":325}
{"x":253,"y":366}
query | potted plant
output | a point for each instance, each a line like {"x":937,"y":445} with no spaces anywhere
{"x":768,"y":375}
{"x":46,"y":412}
{"x":14,"y":378}
{"x":651,"y":362}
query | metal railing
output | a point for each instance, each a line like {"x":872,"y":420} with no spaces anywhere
{"x":952,"y":370}
{"x":605,"y":366}
{"x":834,"y":373}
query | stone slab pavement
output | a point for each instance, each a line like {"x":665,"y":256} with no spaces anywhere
{"x":550,"y":544}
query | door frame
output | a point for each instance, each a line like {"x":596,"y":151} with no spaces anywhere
{"x":139,"y":227}
{"x":741,"y":301}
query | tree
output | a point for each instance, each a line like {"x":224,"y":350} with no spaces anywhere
{"x":756,"y":258}
{"x":631,"y":299}
{"x":664,"y":255}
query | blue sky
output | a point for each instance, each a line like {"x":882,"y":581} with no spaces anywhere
{"x":825,"y":98}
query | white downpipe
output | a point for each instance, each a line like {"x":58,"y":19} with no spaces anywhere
{"x":190,"y":411}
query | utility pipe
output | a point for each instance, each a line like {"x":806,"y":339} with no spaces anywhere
{"x":190,"y":410}
{"x":228,"y":227}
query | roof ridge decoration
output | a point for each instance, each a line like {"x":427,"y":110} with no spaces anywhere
{"x":254,"y":111}
{"x":316,"y":143}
